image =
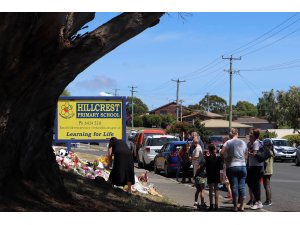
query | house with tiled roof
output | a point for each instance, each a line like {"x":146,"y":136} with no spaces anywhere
{"x":220,"y":127}
{"x":169,"y":108}
{"x":201,"y":115}
{"x":255,"y":122}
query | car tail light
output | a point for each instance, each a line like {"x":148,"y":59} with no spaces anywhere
{"x":147,"y":150}
{"x":174,"y":153}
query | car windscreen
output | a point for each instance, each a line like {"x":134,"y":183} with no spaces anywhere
{"x":160,"y":141}
{"x":280,"y":143}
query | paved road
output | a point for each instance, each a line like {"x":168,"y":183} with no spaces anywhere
{"x":285,"y":185}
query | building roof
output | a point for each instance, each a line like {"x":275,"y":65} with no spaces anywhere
{"x":163,"y":106}
{"x":218,"y":123}
{"x":204,"y":113}
{"x":248,"y":119}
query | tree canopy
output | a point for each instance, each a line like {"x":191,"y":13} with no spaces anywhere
{"x":214,"y":103}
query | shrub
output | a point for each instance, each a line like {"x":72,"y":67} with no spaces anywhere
{"x":293,"y":139}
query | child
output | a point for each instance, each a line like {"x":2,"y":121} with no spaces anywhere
{"x":213,"y":167}
{"x":200,"y":182}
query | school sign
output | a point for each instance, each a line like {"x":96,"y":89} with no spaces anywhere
{"x":90,"y":118}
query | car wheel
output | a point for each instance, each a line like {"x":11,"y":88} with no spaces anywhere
{"x":140,"y":164}
{"x":144,"y":164}
{"x":155,"y":168}
{"x":297,"y":161}
{"x":167,"y":173}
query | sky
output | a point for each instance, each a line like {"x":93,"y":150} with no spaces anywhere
{"x":189,"y":47}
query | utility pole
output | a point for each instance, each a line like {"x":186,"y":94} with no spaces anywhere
{"x":177,"y":97}
{"x":207,"y":97}
{"x":116,"y":90}
{"x":132,"y":91}
{"x":230,"y":89}
{"x":181,"y":109}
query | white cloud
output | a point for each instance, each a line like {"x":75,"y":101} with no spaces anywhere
{"x":102,"y":93}
{"x":98,"y":82}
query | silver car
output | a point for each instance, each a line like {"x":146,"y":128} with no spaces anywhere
{"x":282,"y":149}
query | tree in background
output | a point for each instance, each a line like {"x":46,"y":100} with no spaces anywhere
{"x":282,"y":108}
{"x":267,"y":134}
{"x":244,"y":108}
{"x":139,"y":107}
{"x":268,"y":107}
{"x":215,"y":103}
{"x":180,"y":128}
{"x":152,"y":120}
{"x":202,"y":130}
{"x":167,"y":120}
{"x":289,"y":103}
{"x":40,"y":54}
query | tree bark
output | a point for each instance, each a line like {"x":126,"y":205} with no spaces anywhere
{"x":40,"y":54}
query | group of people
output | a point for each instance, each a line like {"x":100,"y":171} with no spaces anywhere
{"x":234,"y":166}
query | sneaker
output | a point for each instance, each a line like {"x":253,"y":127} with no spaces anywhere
{"x":257,"y":205}
{"x":196,"y":205}
{"x":268,"y":203}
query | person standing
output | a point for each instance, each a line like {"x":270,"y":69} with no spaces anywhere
{"x":235,"y":155}
{"x":200,"y":182}
{"x":185,"y":163}
{"x":256,"y":170}
{"x":196,"y":155}
{"x":122,"y":172}
{"x":213,"y":167}
{"x":268,"y":171}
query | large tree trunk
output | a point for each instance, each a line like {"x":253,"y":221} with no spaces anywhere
{"x":40,"y":54}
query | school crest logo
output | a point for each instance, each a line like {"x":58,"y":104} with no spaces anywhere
{"x":66,"y":111}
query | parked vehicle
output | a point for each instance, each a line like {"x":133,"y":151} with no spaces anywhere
{"x":297,"y":158}
{"x":141,"y":136}
{"x":166,"y":159}
{"x":152,"y":145}
{"x":216,"y":140}
{"x":282,"y":149}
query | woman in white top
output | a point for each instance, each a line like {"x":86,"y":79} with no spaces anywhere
{"x":197,"y":155}
{"x":235,"y":156}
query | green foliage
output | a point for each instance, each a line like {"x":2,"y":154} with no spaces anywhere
{"x":282,"y":108}
{"x":152,"y":120}
{"x":244,"y":108}
{"x":180,"y":128}
{"x":65,"y":93}
{"x":202,"y":131}
{"x":137,"y":121}
{"x":167,"y":120}
{"x":293,"y":139}
{"x":216,"y":104}
{"x":267,"y":134}
{"x":139,"y":107}
{"x":195,"y":107}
